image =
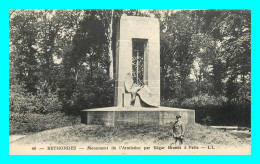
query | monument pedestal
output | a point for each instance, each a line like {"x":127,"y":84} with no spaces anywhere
{"x":113,"y":116}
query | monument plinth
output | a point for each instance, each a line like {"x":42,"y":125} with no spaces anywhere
{"x":137,"y":79}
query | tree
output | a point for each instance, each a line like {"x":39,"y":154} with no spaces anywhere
{"x":57,"y":28}
{"x":87,"y":61}
{"x":176,"y":60}
{"x":23,"y":61}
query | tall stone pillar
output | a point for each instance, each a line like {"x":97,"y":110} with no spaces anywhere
{"x":133,"y":28}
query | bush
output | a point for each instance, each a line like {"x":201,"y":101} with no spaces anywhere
{"x":24,"y":123}
{"x":34,"y":113}
{"x":49,"y":103}
{"x":22,"y":101}
{"x":215,"y":110}
{"x":88,"y":93}
{"x":170,"y":103}
{"x":204,"y":100}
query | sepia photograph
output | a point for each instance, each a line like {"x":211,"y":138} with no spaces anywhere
{"x":129,"y":82}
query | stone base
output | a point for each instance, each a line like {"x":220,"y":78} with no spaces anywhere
{"x":112,"y":116}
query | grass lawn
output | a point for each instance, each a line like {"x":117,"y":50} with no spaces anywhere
{"x":196,"y":134}
{"x":29,"y":123}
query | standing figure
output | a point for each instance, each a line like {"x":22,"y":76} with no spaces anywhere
{"x":178,"y":130}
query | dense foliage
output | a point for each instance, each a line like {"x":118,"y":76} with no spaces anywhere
{"x":63,"y":60}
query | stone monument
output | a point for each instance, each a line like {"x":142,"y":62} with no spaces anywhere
{"x":137,"y":37}
{"x":137,"y":67}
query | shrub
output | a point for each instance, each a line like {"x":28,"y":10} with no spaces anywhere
{"x":22,"y":101}
{"x":88,"y":93}
{"x":24,"y":123}
{"x":215,"y":110}
{"x":170,"y":103}
{"x":204,"y":100}
{"x":49,"y":103}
